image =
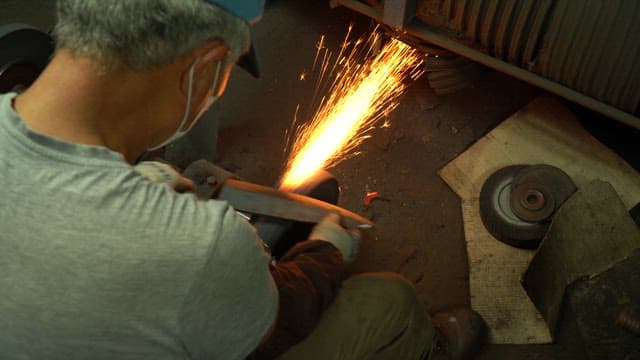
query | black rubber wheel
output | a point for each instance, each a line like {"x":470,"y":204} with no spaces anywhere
{"x":499,"y":219}
{"x":24,"y":53}
{"x":17,"y":76}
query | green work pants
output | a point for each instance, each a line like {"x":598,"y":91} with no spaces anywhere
{"x":375,"y":316}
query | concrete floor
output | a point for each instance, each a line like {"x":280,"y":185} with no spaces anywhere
{"x":419,"y":229}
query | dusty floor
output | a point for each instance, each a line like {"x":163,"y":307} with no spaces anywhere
{"x":419,"y":228}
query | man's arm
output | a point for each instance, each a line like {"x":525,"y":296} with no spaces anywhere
{"x":308,"y":278}
{"x":233,"y":300}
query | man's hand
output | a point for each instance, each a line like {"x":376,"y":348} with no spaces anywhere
{"x":346,"y":240}
{"x":162,"y":173}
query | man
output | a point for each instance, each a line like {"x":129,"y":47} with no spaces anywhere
{"x":98,"y":262}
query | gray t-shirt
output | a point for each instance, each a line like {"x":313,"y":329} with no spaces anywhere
{"x":98,"y":263}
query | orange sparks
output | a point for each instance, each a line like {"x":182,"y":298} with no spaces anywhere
{"x":359,"y":96}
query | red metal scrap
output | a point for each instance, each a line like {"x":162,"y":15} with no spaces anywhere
{"x":370,"y":197}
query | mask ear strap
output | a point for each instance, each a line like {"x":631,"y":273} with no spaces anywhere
{"x":217,"y":78}
{"x":186,"y":114}
{"x":189,"y":95}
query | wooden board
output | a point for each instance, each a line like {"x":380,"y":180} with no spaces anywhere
{"x":542,"y":132}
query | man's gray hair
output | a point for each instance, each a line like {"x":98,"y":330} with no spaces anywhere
{"x":142,"y":34}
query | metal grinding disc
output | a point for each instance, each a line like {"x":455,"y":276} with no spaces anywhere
{"x":499,"y":219}
{"x":538,"y":191}
{"x":532,"y":202}
{"x":24,"y":53}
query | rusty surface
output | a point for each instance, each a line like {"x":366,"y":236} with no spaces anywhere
{"x":532,"y":202}
{"x":552,"y":184}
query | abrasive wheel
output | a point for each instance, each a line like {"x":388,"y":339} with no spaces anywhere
{"x":499,"y":219}
{"x":281,"y":234}
{"x":24,"y":53}
{"x":538,"y":191}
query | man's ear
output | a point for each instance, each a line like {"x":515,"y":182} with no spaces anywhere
{"x":204,"y":56}
{"x":211,"y":52}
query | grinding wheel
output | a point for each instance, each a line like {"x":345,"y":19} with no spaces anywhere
{"x":24,"y":53}
{"x":499,"y":219}
{"x":281,"y":234}
{"x":538,"y":191}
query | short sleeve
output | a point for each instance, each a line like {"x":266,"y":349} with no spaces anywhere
{"x":233,"y":301}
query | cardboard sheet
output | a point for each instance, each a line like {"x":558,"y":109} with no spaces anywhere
{"x":543,"y":132}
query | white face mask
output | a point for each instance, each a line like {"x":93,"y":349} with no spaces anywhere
{"x":207,"y":105}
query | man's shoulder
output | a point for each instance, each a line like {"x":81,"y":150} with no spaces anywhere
{"x":165,"y":212}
